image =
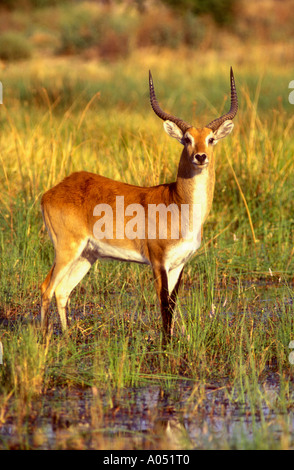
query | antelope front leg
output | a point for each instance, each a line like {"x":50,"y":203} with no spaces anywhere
{"x":167,"y":286}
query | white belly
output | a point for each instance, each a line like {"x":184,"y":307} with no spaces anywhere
{"x":101,"y":249}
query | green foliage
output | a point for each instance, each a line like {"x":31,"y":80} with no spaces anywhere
{"x":79,"y":29}
{"x":84,"y":27}
{"x":221,"y":10}
{"x":25,"y":4}
{"x":14,"y":46}
{"x":96,"y":30}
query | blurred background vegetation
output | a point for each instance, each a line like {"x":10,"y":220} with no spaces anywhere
{"x":111,"y":29}
{"x":76,"y":48}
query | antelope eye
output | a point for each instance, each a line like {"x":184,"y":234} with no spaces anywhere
{"x":187,"y":140}
{"x":211,"y":140}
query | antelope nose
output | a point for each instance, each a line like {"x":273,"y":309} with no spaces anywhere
{"x":201,"y":157}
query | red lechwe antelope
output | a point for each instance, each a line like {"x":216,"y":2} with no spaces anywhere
{"x":70,"y":214}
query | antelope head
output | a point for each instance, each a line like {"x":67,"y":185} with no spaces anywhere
{"x":197,"y":142}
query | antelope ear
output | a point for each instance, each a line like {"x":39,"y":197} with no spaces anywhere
{"x":224,"y":129}
{"x":173,"y":130}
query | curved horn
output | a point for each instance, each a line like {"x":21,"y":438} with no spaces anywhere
{"x":184,"y":126}
{"x":214,"y":125}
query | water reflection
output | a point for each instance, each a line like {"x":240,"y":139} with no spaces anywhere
{"x":187,"y":416}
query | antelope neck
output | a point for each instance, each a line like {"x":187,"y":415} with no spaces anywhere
{"x":196,"y":187}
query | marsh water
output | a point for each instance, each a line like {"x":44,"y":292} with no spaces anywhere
{"x":188,"y":416}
